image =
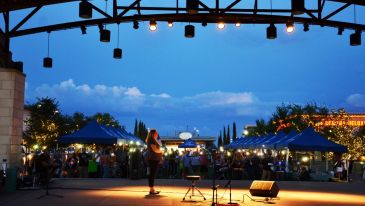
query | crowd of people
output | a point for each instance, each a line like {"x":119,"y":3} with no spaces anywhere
{"x":122,"y":163}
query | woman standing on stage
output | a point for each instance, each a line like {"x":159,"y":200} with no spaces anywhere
{"x":154,"y":158}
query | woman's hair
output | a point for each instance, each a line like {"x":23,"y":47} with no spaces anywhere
{"x":150,"y":134}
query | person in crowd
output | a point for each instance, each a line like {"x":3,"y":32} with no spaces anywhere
{"x":195,"y":163}
{"x":71,"y":166}
{"x":255,"y":161}
{"x":304,"y":174}
{"x":267,"y":162}
{"x":204,"y":162}
{"x":44,"y":167}
{"x":154,"y":158}
{"x":83,"y":165}
{"x":186,"y":160}
{"x":237,"y":165}
{"x":105,"y":163}
{"x":92,"y":168}
{"x":58,"y":166}
{"x":172,"y":163}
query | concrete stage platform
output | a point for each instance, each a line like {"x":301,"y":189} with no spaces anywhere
{"x":123,"y":192}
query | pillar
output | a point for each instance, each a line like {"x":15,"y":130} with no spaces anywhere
{"x":12,"y":82}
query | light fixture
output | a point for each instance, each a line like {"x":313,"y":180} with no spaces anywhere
{"x":85,"y":10}
{"x":271,"y":32}
{"x":189,"y":31}
{"x":192,"y":6}
{"x":135,"y":24}
{"x":238,"y":24}
{"x":47,"y":61}
{"x":290,"y":26}
{"x":306,"y":27}
{"x":297,"y":7}
{"x":355,"y":38}
{"x":340,"y":30}
{"x":105,"y":35}
{"x":204,"y":23}
{"x":170,"y":24}
{"x":83,"y":29}
{"x":153,"y":25}
{"x":221,"y":25}
{"x":117,"y":53}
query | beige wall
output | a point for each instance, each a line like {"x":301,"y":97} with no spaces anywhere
{"x":11,"y":114}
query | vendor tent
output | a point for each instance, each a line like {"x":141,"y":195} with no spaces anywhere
{"x":310,"y":140}
{"x":189,"y":143}
{"x":94,"y":133}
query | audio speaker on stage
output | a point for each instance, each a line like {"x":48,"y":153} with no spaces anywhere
{"x":264,"y":189}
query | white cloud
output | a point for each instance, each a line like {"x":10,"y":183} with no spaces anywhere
{"x":204,"y":109}
{"x":356,"y":100}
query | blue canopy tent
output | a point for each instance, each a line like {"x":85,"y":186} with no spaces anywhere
{"x":244,"y":144}
{"x":189,"y":143}
{"x":94,"y":133}
{"x":270,"y":143}
{"x":284,"y":140}
{"x":310,"y":140}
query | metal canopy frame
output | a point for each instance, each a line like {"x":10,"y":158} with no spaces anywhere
{"x":205,"y":14}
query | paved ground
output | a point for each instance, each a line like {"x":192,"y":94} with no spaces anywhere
{"x":123,"y":192}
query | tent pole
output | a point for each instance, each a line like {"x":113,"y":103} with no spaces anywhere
{"x":326,"y":161}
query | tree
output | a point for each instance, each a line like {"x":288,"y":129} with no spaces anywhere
{"x":107,"y":119}
{"x":228,"y":135}
{"x":135,"y":133}
{"x":234,"y":131}
{"x":220,"y":141}
{"x":44,"y":124}
{"x":224,"y":135}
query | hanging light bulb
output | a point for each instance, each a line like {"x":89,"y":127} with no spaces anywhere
{"x":47,"y":61}
{"x":355,"y":38}
{"x":305,"y":27}
{"x":170,"y":24}
{"x":340,"y":30}
{"x":105,"y":35}
{"x":290,"y":26}
{"x":189,"y":31}
{"x":271,"y":32}
{"x":135,"y":24}
{"x":192,"y":6}
{"x":153,"y":25}
{"x":238,"y":24}
{"x":221,"y":25}
{"x":85,"y":10}
{"x":297,"y":7}
{"x":204,"y":23}
{"x":117,"y":53}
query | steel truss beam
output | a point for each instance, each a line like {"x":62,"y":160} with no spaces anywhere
{"x":198,"y":18}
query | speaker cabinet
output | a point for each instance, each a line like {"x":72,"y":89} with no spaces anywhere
{"x":264,"y":189}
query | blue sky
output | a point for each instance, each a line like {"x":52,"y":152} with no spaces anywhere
{"x":171,"y":82}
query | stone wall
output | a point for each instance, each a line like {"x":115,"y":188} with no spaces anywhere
{"x":12,"y":84}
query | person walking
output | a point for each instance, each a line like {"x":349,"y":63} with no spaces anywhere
{"x":154,"y":158}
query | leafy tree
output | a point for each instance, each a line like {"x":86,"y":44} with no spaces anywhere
{"x":107,"y":119}
{"x":43,"y":125}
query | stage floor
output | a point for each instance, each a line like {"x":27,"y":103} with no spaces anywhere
{"x":122,"y":192}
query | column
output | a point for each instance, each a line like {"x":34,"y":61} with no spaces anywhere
{"x":12,"y":82}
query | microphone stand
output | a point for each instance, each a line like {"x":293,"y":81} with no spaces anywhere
{"x":230,"y":187}
{"x":214,"y":186}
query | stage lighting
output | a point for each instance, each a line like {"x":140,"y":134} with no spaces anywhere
{"x":85,"y":10}
{"x":135,"y":25}
{"x":297,"y":7}
{"x":238,"y":24}
{"x":340,"y":30}
{"x":117,"y":53}
{"x":189,"y":31}
{"x":271,"y":32}
{"x":221,"y":25}
{"x":153,"y":25}
{"x":192,"y":6}
{"x":47,"y":62}
{"x":305,"y":27}
{"x":355,"y":38}
{"x":170,"y":24}
{"x":290,"y":26}
{"x":104,"y":35}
